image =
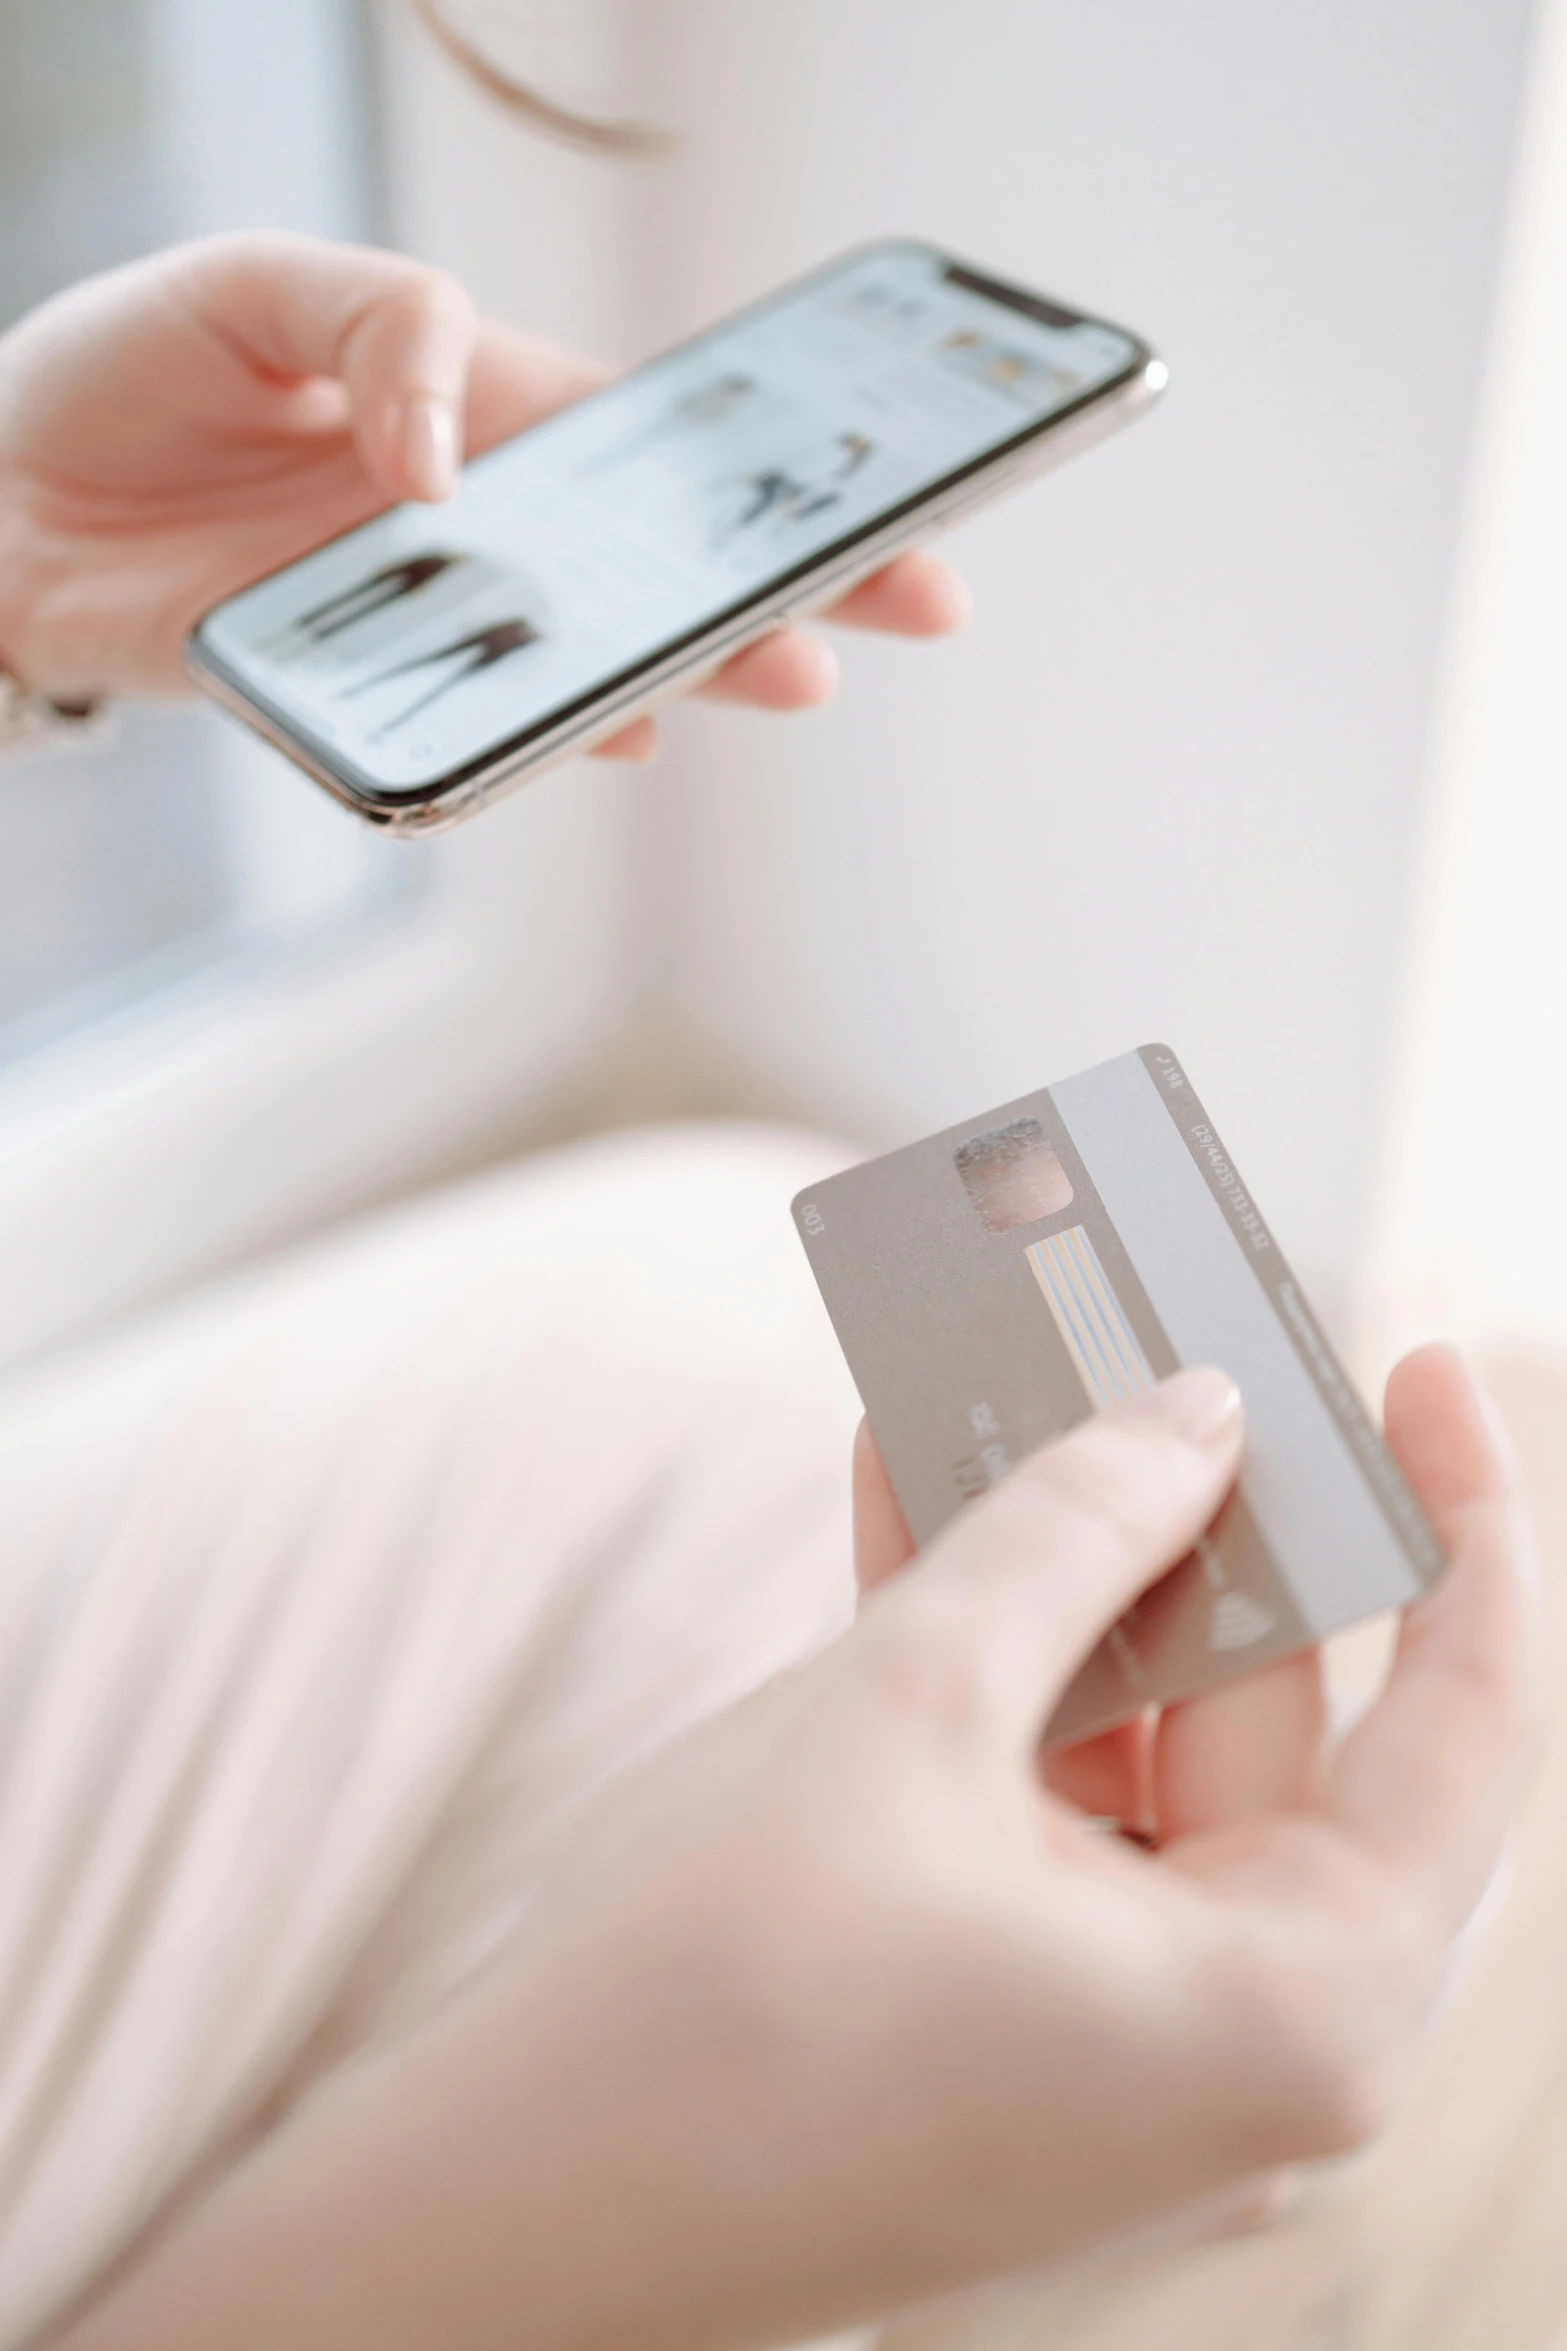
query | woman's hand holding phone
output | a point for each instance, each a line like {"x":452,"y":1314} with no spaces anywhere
{"x":175,"y":429}
{"x":835,"y":2004}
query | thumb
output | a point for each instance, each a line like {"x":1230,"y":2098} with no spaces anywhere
{"x":882,"y":1542}
{"x":396,"y":335}
{"x":1031,"y":1576}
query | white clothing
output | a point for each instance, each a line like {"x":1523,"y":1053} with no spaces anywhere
{"x":321,"y":1594}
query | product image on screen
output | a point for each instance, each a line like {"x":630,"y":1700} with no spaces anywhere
{"x":431,"y":637}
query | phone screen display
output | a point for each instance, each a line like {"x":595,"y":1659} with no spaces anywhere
{"x":419,"y":646}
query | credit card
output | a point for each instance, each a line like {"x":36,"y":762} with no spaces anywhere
{"x":994,"y":1285}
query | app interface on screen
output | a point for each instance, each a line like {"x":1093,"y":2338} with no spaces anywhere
{"x":431,"y":635}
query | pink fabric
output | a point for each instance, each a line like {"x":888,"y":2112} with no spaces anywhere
{"x":323,"y":1596}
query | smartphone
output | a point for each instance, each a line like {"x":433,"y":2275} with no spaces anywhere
{"x":619,"y":550}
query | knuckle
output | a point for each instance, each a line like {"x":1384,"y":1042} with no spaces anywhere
{"x":1115,"y":1479}
{"x":1345,"y":2100}
{"x":236,"y":247}
{"x":244,"y":261}
{"x":1337,"y":2038}
{"x":398,"y":309}
{"x":921,"y":1663}
{"x":425,"y":292}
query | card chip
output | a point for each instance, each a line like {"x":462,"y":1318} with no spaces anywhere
{"x":1013,"y":1176}
{"x":1147,"y":1253}
{"x":1090,"y":1317}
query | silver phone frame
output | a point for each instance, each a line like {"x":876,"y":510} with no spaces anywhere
{"x":1056,"y":441}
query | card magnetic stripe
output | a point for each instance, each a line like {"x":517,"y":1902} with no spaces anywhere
{"x":1090,"y":1317}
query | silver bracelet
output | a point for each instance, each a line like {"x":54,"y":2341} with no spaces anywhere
{"x":33,"y":722}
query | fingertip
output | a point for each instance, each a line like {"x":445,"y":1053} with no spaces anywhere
{"x":789,"y":669}
{"x":945,"y":600}
{"x":1436,"y":1366}
{"x":915,"y":595}
{"x":1107,"y":1776}
{"x":635,"y":745}
{"x":1444,"y":1430}
{"x":815,"y":667}
{"x":405,"y":361}
{"x":429,"y":447}
{"x":1201,"y":1404}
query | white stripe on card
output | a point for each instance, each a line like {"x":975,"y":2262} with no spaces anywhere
{"x":1318,"y":1516}
{"x":1090,"y":1317}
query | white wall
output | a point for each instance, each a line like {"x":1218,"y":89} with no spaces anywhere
{"x":332,"y":1042}
{"x":1470,"y":1236}
{"x":1170,"y":782}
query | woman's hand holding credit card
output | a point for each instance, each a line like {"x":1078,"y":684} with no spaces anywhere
{"x":847,"y":1990}
{"x":994,"y":1285}
{"x":858,"y":2006}
{"x":845,"y":1997}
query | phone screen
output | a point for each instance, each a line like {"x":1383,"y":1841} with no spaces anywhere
{"x":421,"y":645}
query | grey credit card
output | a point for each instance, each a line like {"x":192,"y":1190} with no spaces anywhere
{"x":995,"y":1284}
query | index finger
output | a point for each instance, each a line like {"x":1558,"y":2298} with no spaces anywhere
{"x":1429,"y":1780}
{"x":514,"y":381}
{"x":397,"y":335}
{"x":915,"y":595}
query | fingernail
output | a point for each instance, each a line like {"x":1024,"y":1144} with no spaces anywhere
{"x":960,"y":601}
{"x":1204,"y":1404}
{"x":430,"y":445}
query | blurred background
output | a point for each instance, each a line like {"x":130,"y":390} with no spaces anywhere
{"x":1256,"y":742}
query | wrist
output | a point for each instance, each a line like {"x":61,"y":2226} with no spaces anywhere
{"x":38,"y":712}
{"x":40,"y":602}
{"x":38,"y":722}
{"x":19,"y":582}
{"x":532,"y":2149}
